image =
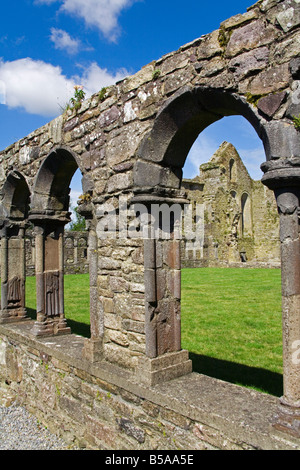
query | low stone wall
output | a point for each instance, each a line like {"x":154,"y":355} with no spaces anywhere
{"x":100,"y":406}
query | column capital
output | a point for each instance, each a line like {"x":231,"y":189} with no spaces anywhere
{"x":281,"y":173}
{"x":41,"y":219}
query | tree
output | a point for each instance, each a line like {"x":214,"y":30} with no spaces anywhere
{"x":78,"y":223}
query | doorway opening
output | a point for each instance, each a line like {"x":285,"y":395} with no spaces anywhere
{"x":231,"y":316}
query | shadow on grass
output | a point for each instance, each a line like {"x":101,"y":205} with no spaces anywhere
{"x":260,"y":379}
{"x":81,"y":329}
{"x":77,"y":328}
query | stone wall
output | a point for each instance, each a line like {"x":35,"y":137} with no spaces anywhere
{"x":130,"y":143}
{"x":103,"y":407}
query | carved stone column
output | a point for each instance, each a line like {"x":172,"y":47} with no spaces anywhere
{"x":49,"y":275}
{"x":13,"y":272}
{"x":164,"y":358}
{"x":284,"y":178}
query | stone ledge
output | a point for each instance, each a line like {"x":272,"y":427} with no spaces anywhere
{"x":245,"y":416}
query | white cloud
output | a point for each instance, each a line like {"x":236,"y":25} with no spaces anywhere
{"x":102,"y":14}
{"x":36,"y":86}
{"x":62,"y":40}
{"x":252,"y":159}
{"x":94,"y":78}
{"x":41,"y":88}
{"x":201,"y":152}
{"x":2,"y":92}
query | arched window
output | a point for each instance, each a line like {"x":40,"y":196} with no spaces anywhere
{"x":232,"y":170}
{"x":246,"y":219}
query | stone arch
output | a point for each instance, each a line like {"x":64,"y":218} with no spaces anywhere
{"x":15,"y":198}
{"x":50,"y":213}
{"x":179,"y":122}
{"x":51,"y":187}
{"x":157,"y":178}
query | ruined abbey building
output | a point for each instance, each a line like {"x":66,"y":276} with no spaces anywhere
{"x":130,"y":385}
{"x":240,"y":222}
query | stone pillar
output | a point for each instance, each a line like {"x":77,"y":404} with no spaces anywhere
{"x":13,"y":273}
{"x":284,"y":179}
{"x":93,"y":346}
{"x":49,"y":264}
{"x":164,"y":357}
{"x":75,"y":251}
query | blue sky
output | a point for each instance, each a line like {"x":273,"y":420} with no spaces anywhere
{"x":47,"y":46}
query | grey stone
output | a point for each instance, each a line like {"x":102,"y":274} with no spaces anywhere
{"x":295,"y":68}
{"x":293,"y":108}
{"x":109,"y":117}
{"x":290,"y":17}
{"x":249,"y":62}
{"x":129,"y":428}
{"x":254,"y":34}
{"x":71,"y":124}
{"x":281,"y":141}
{"x":271,"y":103}
{"x":270,"y":80}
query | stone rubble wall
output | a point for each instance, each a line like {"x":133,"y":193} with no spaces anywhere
{"x":103,"y":407}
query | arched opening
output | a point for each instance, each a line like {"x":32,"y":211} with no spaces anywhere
{"x":50,"y":213}
{"x":15,"y":198}
{"x":176,"y":129}
{"x":232,"y":170}
{"x":219,"y":324}
{"x":246,"y":219}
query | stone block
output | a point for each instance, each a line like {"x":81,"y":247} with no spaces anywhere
{"x":119,"y":182}
{"x":172,"y":254}
{"x":112,"y":321}
{"x":251,"y":36}
{"x":131,"y":429}
{"x":268,"y":105}
{"x":270,"y":80}
{"x":163,"y":368}
{"x":239,"y":19}
{"x":295,"y":68}
{"x":109,"y":117}
{"x":134,"y":326}
{"x":289,"y":17}
{"x":143,"y":171}
{"x":210,"y":46}
{"x":249,"y":62}
{"x":102,"y":432}
{"x":145,"y":75}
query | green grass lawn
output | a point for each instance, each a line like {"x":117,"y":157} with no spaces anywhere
{"x":231,"y":322}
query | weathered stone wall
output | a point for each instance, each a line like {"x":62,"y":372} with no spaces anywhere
{"x":132,"y":140}
{"x":241,"y":223}
{"x":100,"y":406}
